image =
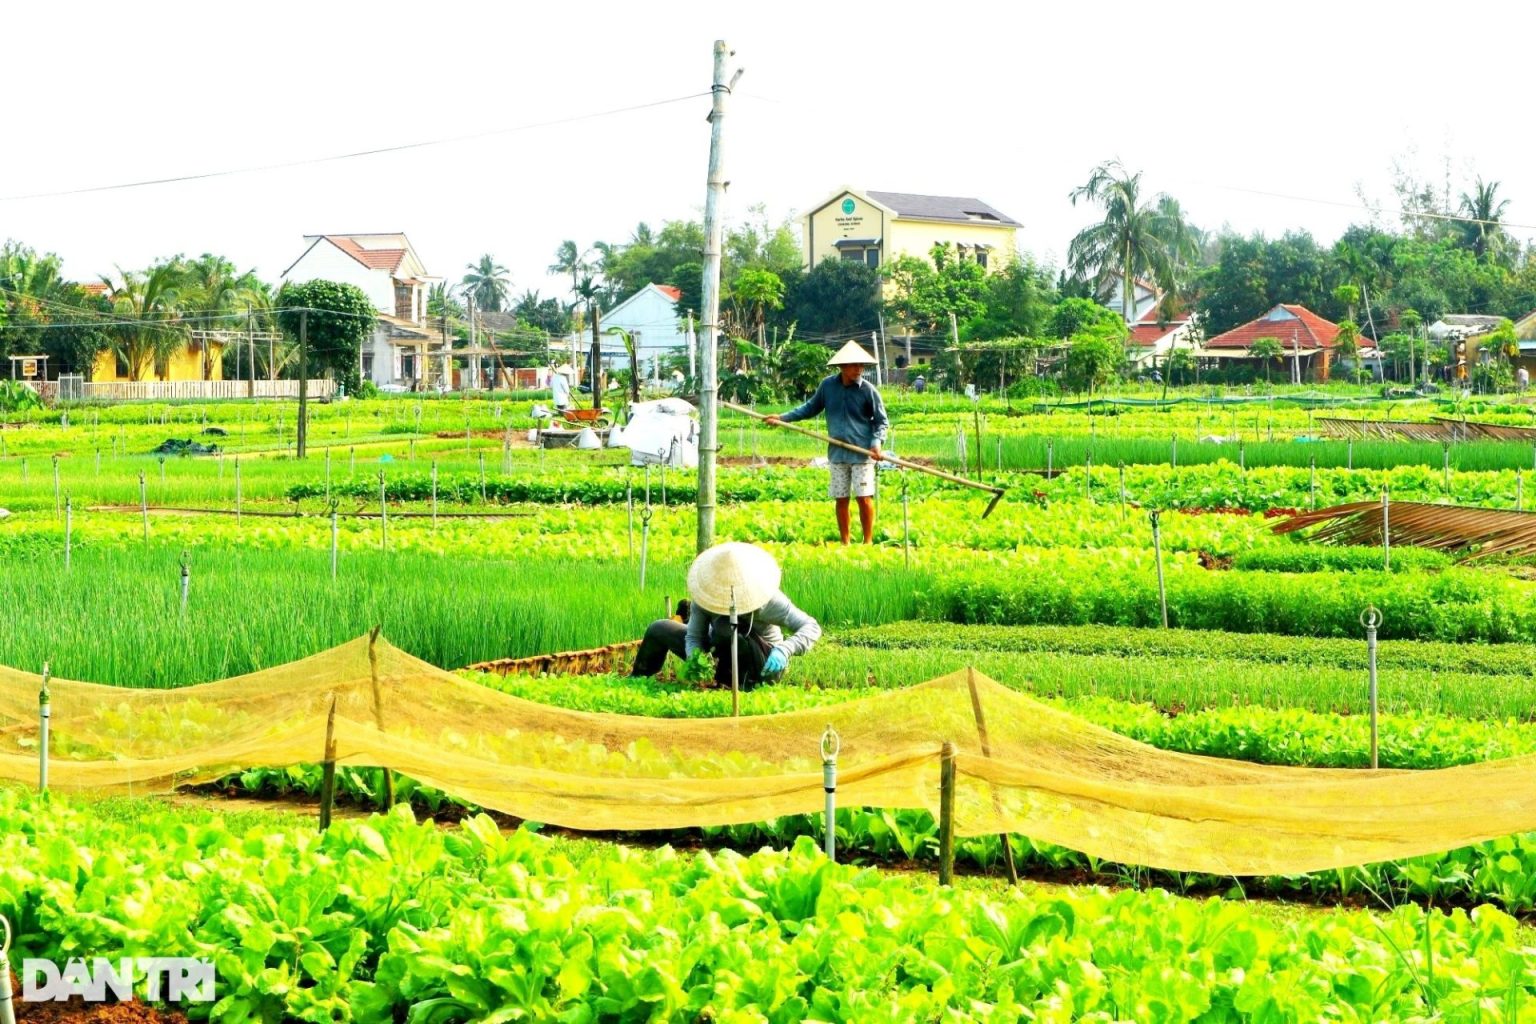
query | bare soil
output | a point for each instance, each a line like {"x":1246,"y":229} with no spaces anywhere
{"x":77,"y":1011}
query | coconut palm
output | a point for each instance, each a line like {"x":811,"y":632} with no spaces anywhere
{"x":210,"y":286}
{"x":145,"y":304}
{"x":489,"y":284}
{"x":1482,"y":232}
{"x":569,"y":260}
{"x":1137,"y":237}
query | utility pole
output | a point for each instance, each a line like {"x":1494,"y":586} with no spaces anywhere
{"x":250,"y":336}
{"x":709,"y":413}
{"x":303,"y":432}
{"x":473,"y":363}
{"x":874,"y":339}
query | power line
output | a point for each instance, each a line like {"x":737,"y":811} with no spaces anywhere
{"x":353,"y":155}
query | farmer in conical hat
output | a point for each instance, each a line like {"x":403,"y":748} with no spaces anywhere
{"x":855,"y":414}
{"x":560,"y":386}
{"x":769,"y":630}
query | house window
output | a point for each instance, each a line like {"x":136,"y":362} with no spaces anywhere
{"x":408,"y":366}
{"x":853,"y":255}
{"x":120,"y":363}
{"x":405,"y":301}
{"x":368,"y":366}
{"x":872,"y":257}
{"x":981,"y":257}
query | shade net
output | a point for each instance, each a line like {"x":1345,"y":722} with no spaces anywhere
{"x":1021,"y":766}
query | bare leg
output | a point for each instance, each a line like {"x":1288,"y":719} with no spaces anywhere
{"x":842,"y":518}
{"x":867,"y":518}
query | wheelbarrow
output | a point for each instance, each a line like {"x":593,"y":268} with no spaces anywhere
{"x":597,"y":419}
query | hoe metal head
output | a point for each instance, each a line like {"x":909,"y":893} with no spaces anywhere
{"x":997,"y":496}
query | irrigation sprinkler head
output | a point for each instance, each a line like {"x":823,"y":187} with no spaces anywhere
{"x":1371,"y":618}
{"x":831,"y":744}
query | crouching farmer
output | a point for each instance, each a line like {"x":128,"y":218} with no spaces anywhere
{"x":769,"y":630}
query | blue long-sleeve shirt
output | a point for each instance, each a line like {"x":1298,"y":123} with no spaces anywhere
{"x":855,"y":413}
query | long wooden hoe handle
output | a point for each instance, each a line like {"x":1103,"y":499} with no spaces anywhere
{"x":996,"y":492}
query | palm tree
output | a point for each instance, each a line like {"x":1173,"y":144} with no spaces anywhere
{"x":1266,"y":349}
{"x":210,"y":285}
{"x":146,"y":305}
{"x":1482,"y":232}
{"x":489,"y":284}
{"x":588,"y":290}
{"x":1135,"y":238}
{"x":569,"y":260}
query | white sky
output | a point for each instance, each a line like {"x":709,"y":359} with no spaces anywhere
{"x":1010,"y":102}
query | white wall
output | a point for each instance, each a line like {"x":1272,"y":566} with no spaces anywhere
{"x":654,"y":315}
{"x":325,"y":262}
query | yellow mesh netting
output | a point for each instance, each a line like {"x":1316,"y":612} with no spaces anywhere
{"x":1037,"y":770}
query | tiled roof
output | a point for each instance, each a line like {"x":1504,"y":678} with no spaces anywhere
{"x":1286,"y":324}
{"x":373,"y":259}
{"x":95,"y":288}
{"x":670,"y":292}
{"x":1146,"y":335}
{"x":952,"y":208}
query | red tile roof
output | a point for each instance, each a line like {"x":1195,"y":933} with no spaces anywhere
{"x":373,"y":259}
{"x":672,"y":293}
{"x":1145,"y":335}
{"x":1304,"y":326}
{"x":94,"y":288}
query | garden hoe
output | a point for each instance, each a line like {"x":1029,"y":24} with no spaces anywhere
{"x":996,"y":492}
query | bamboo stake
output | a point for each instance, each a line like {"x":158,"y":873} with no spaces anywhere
{"x":986,"y":751}
{"x":328,"y":769}
{"x":996,"y":492}
{"x":947,"y":813}
{"x":378,"y":709}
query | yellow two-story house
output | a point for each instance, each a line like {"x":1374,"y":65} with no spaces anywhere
{"x":877,"y":227}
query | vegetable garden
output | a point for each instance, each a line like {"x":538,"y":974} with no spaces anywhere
{"x":438,"y":522}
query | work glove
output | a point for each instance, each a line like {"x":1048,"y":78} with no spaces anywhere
{"x":777,"y":662}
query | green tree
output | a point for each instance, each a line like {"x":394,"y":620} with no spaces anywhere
{"x":547,"y":316}
{"x":1016,"y":301}
{"x":628,"y":339}
{"x":1346,"y":344}
{"x":755,"y":293}
{"x":1093,"y":358}
{"x":1135,"y":239}
{"x":1266,"y":350}
{"x":442,"y":302}
{"x":210,"y":287}
{"x":1074,"y":316}
{"x":337,"y":318}
{"x":1254,"y":274}
{"x":45,"y":314}
{"x":1482,"y":230}
{"x":925,"y":293}
{"x":1181,"y":365}
{"x":688,"y":279}
{"x":489,"y":283}
{"x":835,"y":299}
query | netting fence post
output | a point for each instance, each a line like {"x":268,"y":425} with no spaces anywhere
{"x":44,"y":715}
{"x":1386,"y":530}
{"x":986,"y":751}
{"x":56,"y":491}
{"x":69,"y":530}
{"x":1157,"y":549}
{"x":831,"y":743}
{"x":186,"y":581}
{"x":237,"y":490}
{"x":383,"y":516}
{"x":906,"y":524}
{"x":388,"y":778}
{"x":1371,"y":620}
{"x":1350,"y":455}
{"x":335,"y":537}
{"x":434,"y":494}
{"x":629,"y":507}
{"x":947,"y":813}
{"x":1312,"y":481}
{"x":1050,"y":458}
{"x":327,"y":474}
{"x":645,"y":541}
{"x":144,"y":504}
{"x":328,"y":769}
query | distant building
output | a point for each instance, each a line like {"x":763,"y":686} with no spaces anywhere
{"x":650,"y":315}
{"x":201,"y":358}
{"x":1306,"y":338}
{"x":1151,"y":340}
{"x":876,"y":227}
{"x":1111,"y":295}
{"x":406,"y":348}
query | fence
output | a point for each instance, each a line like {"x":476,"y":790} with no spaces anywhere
{"x":155,"y":390}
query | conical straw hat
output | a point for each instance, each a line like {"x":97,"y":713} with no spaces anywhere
{"x":745,"y":570}
{"x":852,"y":352}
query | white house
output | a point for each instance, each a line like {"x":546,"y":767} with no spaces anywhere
{"x":650,"y":315}
{"x":405,"y":348}
{"x":1111,"y":294}
{"x":1151,"y":340}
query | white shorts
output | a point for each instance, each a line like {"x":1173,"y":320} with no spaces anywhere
{"x":851,"y":480}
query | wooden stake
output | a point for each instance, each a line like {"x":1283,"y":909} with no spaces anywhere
{"x":947,"y":813}
{"x":328,"y":769}
{"x":378,"y":709}
{"x":986,"y":751}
